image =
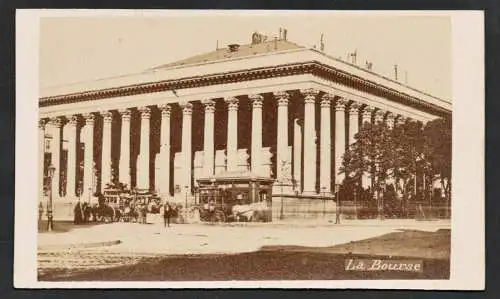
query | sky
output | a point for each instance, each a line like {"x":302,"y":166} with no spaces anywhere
{"x":74,"y":49}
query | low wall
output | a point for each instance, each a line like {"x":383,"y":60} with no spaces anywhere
{"x":285,"y":208}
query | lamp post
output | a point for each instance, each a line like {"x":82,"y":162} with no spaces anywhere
{"x":323,"y":195}
{"x":337,"y":213}
{"x":50,"y":216}
{"x":381,"y":209}
{"x":186,"y":198}
{"x":281,"y":208}
{"x":281,"y":183}
{"x":214,"y":192}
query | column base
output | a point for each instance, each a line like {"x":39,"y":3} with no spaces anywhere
{"x":309,"y":193}
{"x":286,"y":189}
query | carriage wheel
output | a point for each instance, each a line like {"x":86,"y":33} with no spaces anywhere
{"x":100,"y":218}
{"x":219,"y":216}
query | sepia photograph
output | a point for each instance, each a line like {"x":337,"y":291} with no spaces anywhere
{"x":243,"y":146}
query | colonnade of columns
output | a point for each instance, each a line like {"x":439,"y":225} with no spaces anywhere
{"x":303,"y":159}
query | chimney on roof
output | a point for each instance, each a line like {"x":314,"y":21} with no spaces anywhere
{"x":353,"y":56}
{"x":322,"y":45}
{"x":284,"y":34}
{"x":368,"y":65}
{"x":396,"y":72}
{"x":280,"y":36}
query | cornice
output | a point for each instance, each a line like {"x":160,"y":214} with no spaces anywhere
{"x":312,"y":67}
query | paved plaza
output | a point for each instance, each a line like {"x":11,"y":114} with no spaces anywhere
{"x":119,"y":244}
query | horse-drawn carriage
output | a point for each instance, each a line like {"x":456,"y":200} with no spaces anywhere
{"x":119,"y":204}
{"x":241,"y":197}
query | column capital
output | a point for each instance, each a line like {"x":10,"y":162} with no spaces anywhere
{"x":42,"y":122}
{"x":73,"y":119}
{"x":89,"y":118}
{"x":389,"y":119}
{"x":187,"y":107}
{"x":309,"y":95}
{"x":282,"y":97}
{"x":145,"y":112}
{"x":232,"y":103}
{"x":165,"y":110}
{"x":257,"y":100}
{"x":367,"y":111}
{"x":107,"y":116}
{"x":326,"y":100}
{"x":354,"y":107}
{"x":379,"y":115}
{"x":56,"y":122}
{"x":209,"y":105}
{"x":340,"y":104}
{"x":125,"y":114}
{"x":400,"y":119}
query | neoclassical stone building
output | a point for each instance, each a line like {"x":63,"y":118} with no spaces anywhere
{"x":269,"y":108}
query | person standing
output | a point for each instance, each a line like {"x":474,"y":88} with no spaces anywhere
{"x":77,"y":213}
{"x":166,"y":214}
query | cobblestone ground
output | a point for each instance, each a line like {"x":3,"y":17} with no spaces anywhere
{"x":69,"y":262}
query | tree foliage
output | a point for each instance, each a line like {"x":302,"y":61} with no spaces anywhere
{"x":398,"y":153}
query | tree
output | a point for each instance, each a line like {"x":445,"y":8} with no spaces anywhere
{"x":437,"y":150}
{"x":400,"y":154}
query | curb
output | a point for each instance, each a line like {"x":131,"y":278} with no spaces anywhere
{"x":79,"y":245}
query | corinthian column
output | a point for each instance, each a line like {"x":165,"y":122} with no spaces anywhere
{"x":309,"y":140}
{"x":187,"y":115}
{"x":389,"y":120}
{"x":41,"y":155}
{"x":367,"y":119}
{"x":208,"y":142}
{"x":143,"y":159}
{"x":379,"y":116}
{"x":379,"y":119}
{"x":124,"y":170}
{"x":339,"y":138}
{"x":353,"y":121}
{"x":232,"y":133}
{"x":106,"y":149}
{"x":88,"y":184}
{"x":256,"y":160}
{"x":56,"y":124}
{"x":367,"y":115}
{"x":282,"y":159}
{"x":164,"y":175}
{"x":71,"y":172}
{"x":326,"y":143}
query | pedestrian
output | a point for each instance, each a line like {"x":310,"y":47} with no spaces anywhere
{"x":77,"y":219}
{"x":166,"y":214}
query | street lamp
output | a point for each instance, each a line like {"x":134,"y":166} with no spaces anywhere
{"x":281,"y":209}
{"x":323,"y":195}
{"x":50,"y":216}
{"x":186,"y":204}
{"x":381,"y":201}
{"x":337,"y":213}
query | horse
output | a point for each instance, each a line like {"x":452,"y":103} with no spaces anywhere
{"x":130,"y":212}
{"x":243,"y":212}
{"x":86,"y":212}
